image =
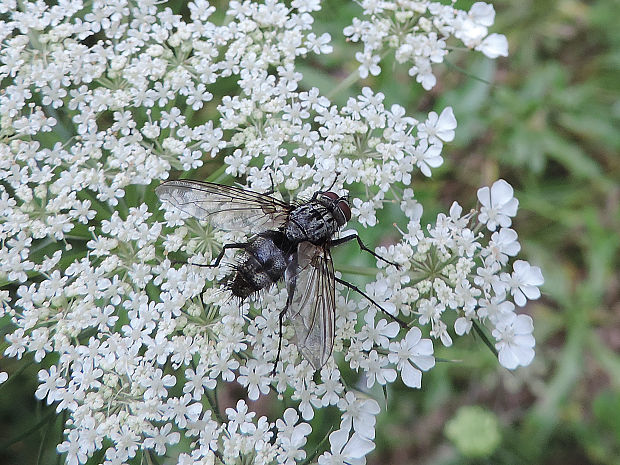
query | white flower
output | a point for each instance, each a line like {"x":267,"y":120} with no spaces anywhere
{"x":51,"y":382}
{"x":359,"y":413}
{"x":364,"y":212}
{"x":482,"y":13}
{"x":437,"y":129}
{"x":377,"y":336}
{"x":368,"y":64}
{"x":524,"y":282}
{"x":498,"y":205}
{"x":182,"y":410}
{"x":159,"y":437}
{"x":376,"y":370}
{"x":255,"y":376}
{"x":412,"y":350}
{"x":239,"y":416}
{"x":515,"y":340}
{"x":427,"y":156}
{"x":291,"y":437}
{"x":494,"y":45}
{"x":496,"y":309}
{"x":345,"y":450}
{"x":331,"y":387}
{"x":503,"y":244}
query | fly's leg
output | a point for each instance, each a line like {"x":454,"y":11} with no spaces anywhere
{"x":273,"y":186}
{"x":316,"y":194}
{"x":234,"y":245}
{"x":402,"y":323}
{"x":342,"y":240}
{"x":290,"y":276}
{"x":289,"y":299}
{"x":285,"y":196}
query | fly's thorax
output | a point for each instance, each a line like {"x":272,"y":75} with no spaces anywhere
{"x":318,"y":220}
{"x":311,"y":222}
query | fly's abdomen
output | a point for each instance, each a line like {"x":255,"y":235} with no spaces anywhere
{"x":249,"y":277}
{"x":262,"y":265}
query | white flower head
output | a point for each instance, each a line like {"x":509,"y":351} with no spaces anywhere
{"x":524,"y":282}
{"x":359,"y":413}
{"x":412,"y":352}
{"x":498,"y":205}
{"x":494,"y":45}
{"x":482,"y":13}
{"x":438,"y":128}
{"x":161,"y":337}
{"x":515,"y":342}
{"x":345,"y":449}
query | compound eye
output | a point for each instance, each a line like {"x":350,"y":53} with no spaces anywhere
{"x":343,"y":205}
{"x":330,"y":195}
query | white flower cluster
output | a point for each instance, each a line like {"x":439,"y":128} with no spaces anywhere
{"x":105,"y":98}
{"x":454,"y":266}
{"x":418,"y":32}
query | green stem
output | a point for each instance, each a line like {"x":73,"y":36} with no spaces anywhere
{"x":485,"y":338}
{"x":357,"y":270}
{"x":344,"y":84}
{"x":5,"y":445}
{"x":218,"y":174}
{"x":449,"y":64}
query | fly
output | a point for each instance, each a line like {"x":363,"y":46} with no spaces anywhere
{"x":290,"y":241}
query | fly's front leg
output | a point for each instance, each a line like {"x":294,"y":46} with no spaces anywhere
{"x":342,"y":240}
{"x":234,"y":245}
{"x":402,"y":323}
{"x":273,"y":186}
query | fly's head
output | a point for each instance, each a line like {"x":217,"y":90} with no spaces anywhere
{"x":337,"y":205}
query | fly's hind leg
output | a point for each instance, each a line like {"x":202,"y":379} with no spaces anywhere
{"x":342,"y":240}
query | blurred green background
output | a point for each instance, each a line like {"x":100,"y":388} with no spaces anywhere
{"x":549,"y":124}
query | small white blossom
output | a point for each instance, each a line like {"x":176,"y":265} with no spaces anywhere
{"x":438,"y":129}
{"x":360,"y":414}
{"x":412,"y":350}
{"x":345,"y":449}
{"x":498,"y":205}
{"x":523,"y":282}
{"x":515,"y":341}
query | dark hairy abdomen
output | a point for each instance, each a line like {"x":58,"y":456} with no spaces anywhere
{"x":262,"y":264}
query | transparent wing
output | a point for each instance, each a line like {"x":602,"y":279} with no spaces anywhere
{"x":312,"y":310}
{"x":225,"y":207}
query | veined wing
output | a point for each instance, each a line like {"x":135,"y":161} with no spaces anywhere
{"x":225,"y":207}
{"x":312,"y":310}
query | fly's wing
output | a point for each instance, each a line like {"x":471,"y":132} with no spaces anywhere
{"x":312,"y":310}
{"x":225,"y":207}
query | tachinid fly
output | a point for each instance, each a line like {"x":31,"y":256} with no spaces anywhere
{"x":287,"y":241}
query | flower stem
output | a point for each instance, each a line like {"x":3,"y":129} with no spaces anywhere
{"x":344,"y":84}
